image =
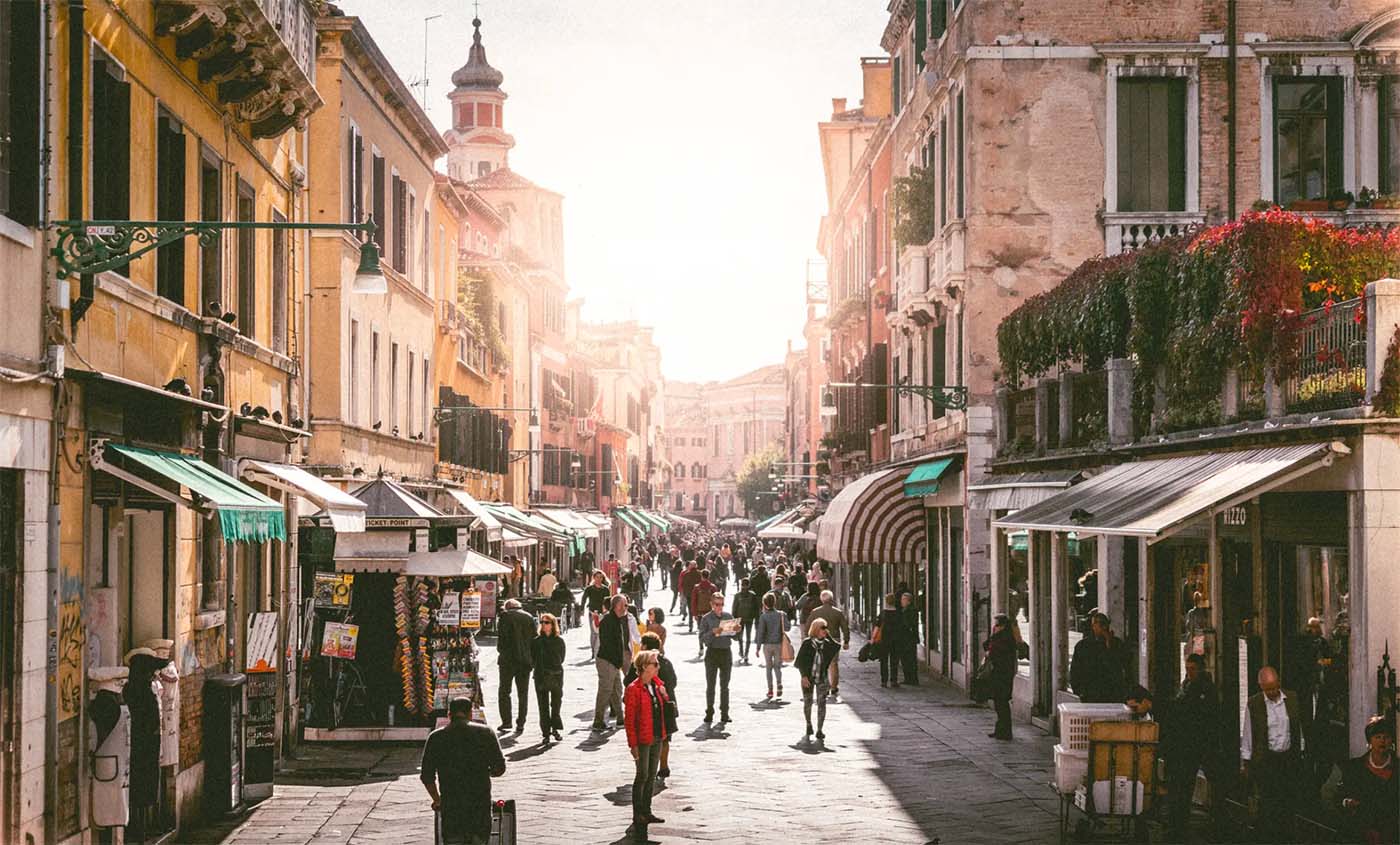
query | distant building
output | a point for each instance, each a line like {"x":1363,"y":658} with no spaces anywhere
{"x":745,"y":415}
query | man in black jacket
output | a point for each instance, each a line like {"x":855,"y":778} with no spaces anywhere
{"x":1189,"y":743}
{"x":515,"y":630}
{"x":1096,"y":671}
{"x":614,"y":652}
{"x":459,"y":761}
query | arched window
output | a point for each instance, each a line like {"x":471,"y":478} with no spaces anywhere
{"x":697,"y":471}
{"x":680,"y":501}
{"x":680,"y":470}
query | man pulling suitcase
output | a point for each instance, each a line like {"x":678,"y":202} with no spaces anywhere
{"x":459,"y":761}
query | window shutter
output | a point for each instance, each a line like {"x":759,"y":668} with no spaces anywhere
{"x":895,"y":86}
{"x":378,"y":188}
{"x":938,"y":19}
{"x":1335,"y":173}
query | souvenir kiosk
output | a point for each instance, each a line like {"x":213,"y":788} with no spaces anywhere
{"x":391,"y":618}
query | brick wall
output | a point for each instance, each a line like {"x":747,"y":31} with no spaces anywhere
{"x":191,"y":719}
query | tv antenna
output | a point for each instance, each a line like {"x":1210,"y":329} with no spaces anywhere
{"x":424,"y":82}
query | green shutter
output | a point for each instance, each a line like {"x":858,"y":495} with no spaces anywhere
{"x":894,"y":86}
{"x":1335,"y":172}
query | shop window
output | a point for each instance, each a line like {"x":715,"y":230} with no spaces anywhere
{"x":955,"y":583}
{"x":170,"y":205}
{"x":934,"y":610}
{"x":1081,"y":590}
{"x":1018,"y":604}
{"x":1151,"y":144}
{"x":1307,"y":138}
{"x":247,"y":241}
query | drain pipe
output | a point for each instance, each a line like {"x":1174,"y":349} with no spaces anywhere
{"x":1231,"y":73}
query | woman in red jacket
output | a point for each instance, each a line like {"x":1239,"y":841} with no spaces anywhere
{"x":644,"y":709}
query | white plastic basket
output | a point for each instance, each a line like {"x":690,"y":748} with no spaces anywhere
{"x":1071,"y":768}
{"x":1075,"y":720}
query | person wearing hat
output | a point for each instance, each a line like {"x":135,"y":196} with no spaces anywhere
{"x":111,"y":740}
{"x":144,"y":708}
{"x":1370,"y":789}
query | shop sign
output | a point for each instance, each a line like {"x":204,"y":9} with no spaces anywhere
{"x":1236,"y":517}
{"x":340,"y":640}
{"x":471,"y":609}
{"x":487,"y":588}
{"x":449,"y":613}
{"x":333,"y":589}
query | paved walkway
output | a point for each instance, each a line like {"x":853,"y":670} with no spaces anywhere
{"x":907,"y":765}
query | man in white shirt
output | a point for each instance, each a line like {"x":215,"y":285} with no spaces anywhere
{"x":1270,"y":748}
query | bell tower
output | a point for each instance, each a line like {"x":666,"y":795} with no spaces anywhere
{"x":478,"y":143}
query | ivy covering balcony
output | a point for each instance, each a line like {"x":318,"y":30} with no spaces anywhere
{"x":1218,"y":322}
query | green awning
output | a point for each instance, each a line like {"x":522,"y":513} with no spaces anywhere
{"x":655,"y":519}
{"x":775,"y":518}
{"x":923,"y":479}
{"x":244,"y":513}
{"x":633,"y":520}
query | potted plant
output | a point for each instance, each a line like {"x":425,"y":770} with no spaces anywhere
{"x":1340,"y":200}
{"x":1365,"y":197}
{"x":1386,"y":201}
{"x":1309,"y":205}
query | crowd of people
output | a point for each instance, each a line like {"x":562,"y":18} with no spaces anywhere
{"x":748,"y":602}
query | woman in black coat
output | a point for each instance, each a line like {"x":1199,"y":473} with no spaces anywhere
{"x":1000,"y":649}
{"x":889,"y":633}
{"x":1371,"y":786}
{"x":547,"y":654}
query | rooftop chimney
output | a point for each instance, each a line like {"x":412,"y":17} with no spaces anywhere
{"x":838,"y":105}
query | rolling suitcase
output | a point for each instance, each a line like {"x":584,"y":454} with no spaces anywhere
{"x":502,"y":824}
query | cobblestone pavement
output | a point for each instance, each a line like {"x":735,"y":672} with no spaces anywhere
{"x":907,"y":765}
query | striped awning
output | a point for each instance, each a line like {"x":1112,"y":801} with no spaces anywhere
{"x":872,"y":521}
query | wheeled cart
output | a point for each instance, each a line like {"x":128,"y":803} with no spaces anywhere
{"x":1119,"y":785}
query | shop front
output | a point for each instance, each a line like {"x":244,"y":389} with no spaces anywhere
{"x":392,"y":615}
{"x":1250,"y":557}
{"x":876,"y":538}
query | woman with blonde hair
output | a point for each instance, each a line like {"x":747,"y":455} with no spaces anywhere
{"x":644,"y":714}
{"x":547,"y":650}
{"x":813,"y":665}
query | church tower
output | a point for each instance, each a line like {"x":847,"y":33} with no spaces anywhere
{"x":477,"y":143}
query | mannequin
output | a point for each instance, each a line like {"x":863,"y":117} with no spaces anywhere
{"x":144,"y":707}
{"x":111,"y":743}
{"x":169,"y":696}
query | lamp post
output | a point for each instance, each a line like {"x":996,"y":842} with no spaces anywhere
{"x":86,"y":247}
{"x":952,"y":397}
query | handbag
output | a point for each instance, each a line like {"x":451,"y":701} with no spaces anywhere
{"x":788,"y":654}
{"x":982,"y":682}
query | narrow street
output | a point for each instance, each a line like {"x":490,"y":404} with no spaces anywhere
{"x":907,"y":765}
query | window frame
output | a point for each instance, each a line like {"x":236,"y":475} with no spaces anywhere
{"x":1334,"y":131}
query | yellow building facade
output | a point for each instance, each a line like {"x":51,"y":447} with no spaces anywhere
{"x":182,"y":363}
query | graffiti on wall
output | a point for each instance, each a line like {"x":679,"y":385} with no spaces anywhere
{"x":70,"y":659}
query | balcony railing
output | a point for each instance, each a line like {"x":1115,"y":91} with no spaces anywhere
{"x":1331,"y":367}
{"x":1127,"y":231}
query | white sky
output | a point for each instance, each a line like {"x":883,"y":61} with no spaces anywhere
{"x":683,"y":137}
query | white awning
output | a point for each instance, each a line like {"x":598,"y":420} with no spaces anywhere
{"x":1014,"y":492}
{"x":484,"y":518}
{"x":1157,"y":498}
{"x":604,"y":523}
{"x":786,"y":531}
{"x":570,"y":519}
{"x":443,"y":563}
{"x":512,"y":540}
{"x":347,"y":513}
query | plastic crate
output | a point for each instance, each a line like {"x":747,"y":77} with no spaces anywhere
{"x":1076,"y":718}
{"x":1071,"y":768}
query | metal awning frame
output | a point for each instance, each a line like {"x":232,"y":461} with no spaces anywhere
{"x":97,"y":457}
{"x":1153,"y":537}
